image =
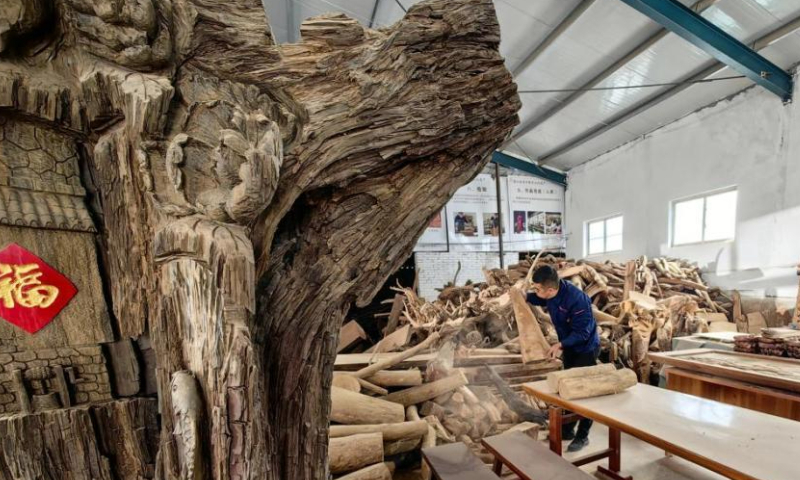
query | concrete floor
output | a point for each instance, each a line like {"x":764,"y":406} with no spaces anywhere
{"x":641,"y":460}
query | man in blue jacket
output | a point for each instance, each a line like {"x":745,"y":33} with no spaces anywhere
{"x":571,"y":312}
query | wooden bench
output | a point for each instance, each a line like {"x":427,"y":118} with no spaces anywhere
{"x":456,"y":462}
{"x":530,"y":459}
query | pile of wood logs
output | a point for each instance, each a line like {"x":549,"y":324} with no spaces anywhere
{"x":387,"y":406}
{"x":640,"y":306}
{"x":450,"y":370}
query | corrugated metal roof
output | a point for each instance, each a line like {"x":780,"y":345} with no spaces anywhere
{"x":600,"y":36}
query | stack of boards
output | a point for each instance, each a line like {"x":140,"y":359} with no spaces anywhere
{"x":587,"y":382}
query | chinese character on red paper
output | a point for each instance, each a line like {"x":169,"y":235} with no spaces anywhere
{"x":32,"y":293}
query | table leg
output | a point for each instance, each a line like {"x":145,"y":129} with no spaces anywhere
{"x":615,"y":456}
{"x":556,"y":416}
{"x":498,"y":467}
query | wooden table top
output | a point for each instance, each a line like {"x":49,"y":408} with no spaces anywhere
{"x":738,"y":443}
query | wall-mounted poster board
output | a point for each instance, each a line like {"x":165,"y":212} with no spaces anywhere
{"x":532,"y":211}
{"x":537,"y":210}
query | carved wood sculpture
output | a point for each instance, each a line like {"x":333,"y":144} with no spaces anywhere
{"x":247,"y":193}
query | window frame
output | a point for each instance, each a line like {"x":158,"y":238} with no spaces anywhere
{"x":604,"y":221}
{"x":704,"y":196}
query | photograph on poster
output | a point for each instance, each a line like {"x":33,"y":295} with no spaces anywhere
{"x":519,"y":221}
{"x":436,"y":221}
{"x":491,"y":224}
{"x":536,"y":222}
{"x":553,"y":223}
{"x":464,"y":224}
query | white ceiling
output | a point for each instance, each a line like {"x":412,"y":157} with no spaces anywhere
{"x":602,"y":34}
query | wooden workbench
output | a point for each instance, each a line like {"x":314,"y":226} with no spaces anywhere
{"x":782,"y":403}
{"x":735,"y":442}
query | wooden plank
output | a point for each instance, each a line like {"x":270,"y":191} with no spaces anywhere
{"x":530,"y":459}
{"x":456,"y":462}
{"x":774,"y":372}
{"x":392,"y":342}
{"x":683,"y":424}
{"x":755,"y":322}
{"x":350,"y":334}
{"x":394,"y":314}
{"x":356,"y":361}
{"x":532,"y":343}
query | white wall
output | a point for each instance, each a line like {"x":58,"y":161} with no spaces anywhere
{"x":750,"y":140}
{"x":437,"y":268}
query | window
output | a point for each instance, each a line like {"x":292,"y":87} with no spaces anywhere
{"x":604,"y":236}
{"x":707,"y":218}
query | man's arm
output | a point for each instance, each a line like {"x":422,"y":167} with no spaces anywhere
{"x":583,"y":324}
{"x":533,"y":299}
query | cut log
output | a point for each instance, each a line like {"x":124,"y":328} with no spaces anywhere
{"x":554,"y":378}
{"x":441,"y":432}
{"x":395,"y":359}
{"x":574,"y":388}
{"x":354,"y":452}
{"x":371,"y":387}
{"x":412,"y":413}
{"x":346,"y":381}
{"x":397,"y":378}
{"x":532,"y":343}
{"x":402,"y":446}
{"x":427,"y":391}
{"x":393,"y":342}
{"x":378,"y":471}
{"x":351,"y":408}
{"x":603,"y":317}
{"x":390,"y":431}
{"x":350,"y":334}
{"x":630,"y":280}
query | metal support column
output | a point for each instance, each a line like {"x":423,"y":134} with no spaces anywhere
{"x":499,"y":212}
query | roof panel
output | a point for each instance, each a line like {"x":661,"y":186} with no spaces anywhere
{"x":518,"y":31}
{"x":549,"y":12}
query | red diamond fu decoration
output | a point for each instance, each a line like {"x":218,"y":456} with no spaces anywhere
{"x":32,"y":292}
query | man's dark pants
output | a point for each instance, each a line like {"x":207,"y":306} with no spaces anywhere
{"x":573,"y":360}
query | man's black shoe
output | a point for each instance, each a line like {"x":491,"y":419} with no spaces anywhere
{"x":568,"y":435}
{"x":578,"y":444}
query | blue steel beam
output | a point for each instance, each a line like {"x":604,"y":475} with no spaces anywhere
{"x":505,"y":160}
{"x":705,"y":35}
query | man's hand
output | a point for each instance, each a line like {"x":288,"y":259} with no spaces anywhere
{"x":555,"y":351}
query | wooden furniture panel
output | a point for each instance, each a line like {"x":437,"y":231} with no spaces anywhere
{"x":456,"y":462}
{"x":774,"y":372}
{"x":733,"y":392}
{"x":738,"y":443}
{"x":529,"y":459}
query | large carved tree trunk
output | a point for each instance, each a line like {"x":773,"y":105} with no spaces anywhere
{"x":248,"y":194}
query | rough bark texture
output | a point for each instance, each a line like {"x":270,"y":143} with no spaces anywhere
{"x":245,"y":194}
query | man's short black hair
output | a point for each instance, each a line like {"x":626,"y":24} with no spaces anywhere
{"x":546,"y":276}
